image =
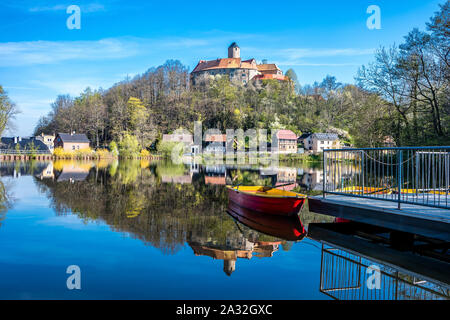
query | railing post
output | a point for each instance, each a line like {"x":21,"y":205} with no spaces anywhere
{"x":324,"y":180}
{"x":362,"y":170}
{"x":399,"y":176}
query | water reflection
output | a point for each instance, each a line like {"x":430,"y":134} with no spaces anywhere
{"x":169,"y":206}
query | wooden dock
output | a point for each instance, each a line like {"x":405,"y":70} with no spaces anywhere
{"x":422,"y":220}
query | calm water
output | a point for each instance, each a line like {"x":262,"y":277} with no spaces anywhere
{"x":147,"y":231}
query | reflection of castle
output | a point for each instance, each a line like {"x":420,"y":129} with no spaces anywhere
{"x":238,"y":247}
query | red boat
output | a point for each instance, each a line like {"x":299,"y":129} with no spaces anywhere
{"x":287,"y":228}
{"x":267,"y":200}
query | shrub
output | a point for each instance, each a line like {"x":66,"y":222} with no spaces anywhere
{"x":145,"y":153}
{"x":129,"y":146}
{"x":103,"y":153}
{"x":166,"y":147}
{"x":114,"y":149}
{"x":62,"y":154}
{"x":83,"y":153}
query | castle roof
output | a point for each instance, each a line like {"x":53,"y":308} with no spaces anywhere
{"x":225,"y":63}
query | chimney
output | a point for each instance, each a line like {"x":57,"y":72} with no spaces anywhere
{"x":15,"y":140}
{"x":20,"y":138}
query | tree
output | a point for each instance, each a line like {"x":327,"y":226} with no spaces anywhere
{"x":8,"y":112}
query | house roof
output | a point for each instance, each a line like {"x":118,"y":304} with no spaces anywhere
{"x":185,"y":138}
{"x":286,"y":134}
{"x":216,"y":138}
{"x":304,"y":136}
{"x":267,"y":67}
{"x":225,"y":63}
{"x":8,"y":143}
{"x":325,"y":136}
{"x":74,"y":176}
{"x":76,"y":137}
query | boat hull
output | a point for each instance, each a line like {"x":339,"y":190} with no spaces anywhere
{"x":280,"y":206}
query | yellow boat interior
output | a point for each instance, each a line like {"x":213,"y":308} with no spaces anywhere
{"x":266,"y":192}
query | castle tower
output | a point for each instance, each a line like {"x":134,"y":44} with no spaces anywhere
{"x":234,"y":51}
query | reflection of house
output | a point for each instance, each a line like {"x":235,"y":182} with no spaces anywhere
{"x":312,"y":179}
{"x":72,"y":172}
{"x":317,"y":142}
{"x":48,"y":140}
{"x":215,"y":180}
{"x":287,"y":175}
{"x":72,"y":141}
{"x":185,"y":179}
{"x":215,"y":175}
{"x":47,"y":173}
{"x":22,"y":144}
{"x":287,"y":141}
{"x":185,"y":138}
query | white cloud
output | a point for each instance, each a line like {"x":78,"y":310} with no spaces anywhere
{"x":14,"y":54}
{"x":297,"y":53}
{"x":87,"y":8}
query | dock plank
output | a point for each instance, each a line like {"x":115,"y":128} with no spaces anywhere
{"x":427,"y":221}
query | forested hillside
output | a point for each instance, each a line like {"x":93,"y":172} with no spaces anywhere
{"x":404,"y":94}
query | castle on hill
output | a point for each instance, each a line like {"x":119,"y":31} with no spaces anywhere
{"x":238,"y":70}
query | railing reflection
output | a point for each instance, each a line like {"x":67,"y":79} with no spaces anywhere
{"x":345,"y":276}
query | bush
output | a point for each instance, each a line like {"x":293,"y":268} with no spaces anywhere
{"x":103,"y":153}
{"x":114,"y":149}
{"x":83,"y":153}
{"x":129,"y":146}
{"x":145,"y":153}
{"x":166,"y":147}
{"x":62,"y":154}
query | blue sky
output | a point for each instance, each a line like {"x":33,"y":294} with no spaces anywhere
{"x":41,"y":58}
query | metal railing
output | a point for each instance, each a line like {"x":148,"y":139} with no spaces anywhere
{"x":23,"y":152}
{"x":345,"y":276}
{"x":412,"y":175}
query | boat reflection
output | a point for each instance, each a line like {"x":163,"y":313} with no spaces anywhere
{"x":253,"y":240}
{"x":287,"y":228}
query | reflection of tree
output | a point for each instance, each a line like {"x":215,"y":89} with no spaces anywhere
{"x":133,"y":200}
{"x":5,"y":201}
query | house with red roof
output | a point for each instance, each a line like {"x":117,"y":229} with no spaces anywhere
{"x":286,"y":141}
